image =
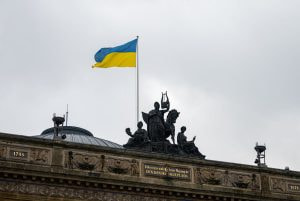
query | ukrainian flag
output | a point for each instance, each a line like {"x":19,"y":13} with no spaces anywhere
{"x":120,"y":56}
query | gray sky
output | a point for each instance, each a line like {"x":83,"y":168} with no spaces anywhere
{"x":230,"y":67}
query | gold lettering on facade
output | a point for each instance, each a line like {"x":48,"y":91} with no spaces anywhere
{"x":294,"y":187}
{"x":18,"y":154}
{"x":167,"y":171}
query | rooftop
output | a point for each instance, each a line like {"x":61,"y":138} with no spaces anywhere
{"x":78,"y":135}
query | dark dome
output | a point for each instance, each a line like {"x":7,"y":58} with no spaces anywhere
{"x":78,"y":135}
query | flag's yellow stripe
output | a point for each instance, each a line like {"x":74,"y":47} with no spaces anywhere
{"x":118,"y":59}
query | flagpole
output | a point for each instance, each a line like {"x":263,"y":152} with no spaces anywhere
{"x":137,"y":81}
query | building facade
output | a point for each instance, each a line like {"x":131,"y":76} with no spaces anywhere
{"x":82,"y":167}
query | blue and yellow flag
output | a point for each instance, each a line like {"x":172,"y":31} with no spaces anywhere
{"x":120,"y":56}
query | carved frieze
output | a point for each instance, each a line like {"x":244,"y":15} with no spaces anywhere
{"x":41,"y":156}
{"x":101,"y":163}
{"x":244,"y":180}
{"x":212,"y":176}
{"x":278,"y":185}
{"x":134,"y":168}
{"x":25,"y":154}
{"x":83,"y":161}
{"x":3,"y":151}
{"x":283,"y":185}
{"x":122,"y":166}
{"x":209,"y":176}
{"x":72,"y":193}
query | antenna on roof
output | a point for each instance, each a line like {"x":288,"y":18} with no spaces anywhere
{"x":261,"y":156}
{"x":58,"y":124}
{"x":67,"y":115}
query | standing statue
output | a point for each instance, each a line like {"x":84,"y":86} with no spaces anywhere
{"x":188,"y":147}
{"x":139,"y":138}
{"x":155,"y":121}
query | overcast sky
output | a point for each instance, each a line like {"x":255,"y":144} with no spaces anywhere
{"x":230,"y":67}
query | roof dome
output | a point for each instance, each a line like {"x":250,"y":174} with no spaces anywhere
{"x":78,"y":135}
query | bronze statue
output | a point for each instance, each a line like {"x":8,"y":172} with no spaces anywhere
{"x":188,"y":147}
{"x":169,"y":125}
{"x":155,"y":121}
{"x":155,"y":138}
{"x":139,"y":137}
{"x":165,"y":103}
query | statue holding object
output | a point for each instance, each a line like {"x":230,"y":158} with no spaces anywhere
{"x":156,"y":125}
{"x":188,"y":147}
{"x":165,"y":103}
{"x":155,"y":138}
{"x":139,"y":138}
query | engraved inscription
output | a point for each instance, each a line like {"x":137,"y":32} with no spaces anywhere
{"x":18,"y":154}
{"x":167,"y":171}
{"x":294,"y":187}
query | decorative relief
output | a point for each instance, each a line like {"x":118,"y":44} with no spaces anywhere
{"x":83,"y":161}
{"x":3,"y":151}
{"x":41,"y":156}
{"x":212,"y":176}
{"x":241,"y":180}
{"x":28,"y":154}
{"x":101,"y":163}
{"x":122,"y":166}
{"x":278,"y":185}
{"x":134,"y":169}
{"x":72,"y":193}
{"x":209,"y":176}
{"x":281,"y":185}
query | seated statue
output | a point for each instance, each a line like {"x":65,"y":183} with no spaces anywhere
{"x":138,"y":138}
{"x":187,"y":147}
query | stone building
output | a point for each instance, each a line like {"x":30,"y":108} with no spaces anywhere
{"x":83,"y":167}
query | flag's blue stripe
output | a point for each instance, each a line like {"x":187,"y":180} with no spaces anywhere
{"x":127,"y":47}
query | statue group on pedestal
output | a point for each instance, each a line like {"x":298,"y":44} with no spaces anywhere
{"x":154,"y":139}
